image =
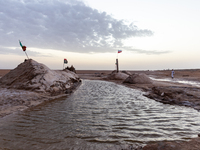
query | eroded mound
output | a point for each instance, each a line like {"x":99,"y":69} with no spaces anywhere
{"x":117,"y":76}
{"x":138,"y":79}
{"x":34,"y":76}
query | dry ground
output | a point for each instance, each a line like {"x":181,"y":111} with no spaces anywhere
{"x":188,"y":74}
{"x":3,"y":72}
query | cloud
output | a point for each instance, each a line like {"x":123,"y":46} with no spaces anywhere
{"x":148,"y":52}
{"x":67,"y":25}
{"x":19,"y":51}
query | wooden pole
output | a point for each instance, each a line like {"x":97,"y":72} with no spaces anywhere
{"x":117,"y":65}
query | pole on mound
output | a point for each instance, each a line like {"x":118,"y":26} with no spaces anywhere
{"x":26,"y":54}
{"x":23,"y":48}
{"x":117,"y":63}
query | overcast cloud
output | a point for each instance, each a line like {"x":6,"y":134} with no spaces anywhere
{"x":66,"y":25}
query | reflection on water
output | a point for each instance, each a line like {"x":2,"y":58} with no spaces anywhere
{"x":193,"y":83}
{"x":99,"y":115}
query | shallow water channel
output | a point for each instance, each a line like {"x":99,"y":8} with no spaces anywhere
{"x":99,"y":115}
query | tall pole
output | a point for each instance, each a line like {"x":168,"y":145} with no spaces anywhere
{"x":26,"y":54}
{"x":117,"y":65}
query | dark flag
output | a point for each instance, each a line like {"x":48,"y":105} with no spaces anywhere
{"x":65,"y":61}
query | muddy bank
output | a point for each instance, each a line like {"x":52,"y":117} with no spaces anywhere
{"x":193,"y":144}
{"x":175,"y":95}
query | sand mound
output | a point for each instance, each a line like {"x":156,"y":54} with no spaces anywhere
{"x":34,"y":76}
{"x":117,"y":76}
{"x":138,"y":79}
{"x":127,"y":72}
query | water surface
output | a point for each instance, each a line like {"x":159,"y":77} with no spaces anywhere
{"x":99,"y":115}
{"x":193,"y":83}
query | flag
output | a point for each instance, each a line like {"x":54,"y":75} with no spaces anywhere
{"x":65,"y":61}
{"x":23,"y":47}
{"x":119,"y":51}
{"x":20,"y":43}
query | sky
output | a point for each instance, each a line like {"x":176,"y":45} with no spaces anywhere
{"x":153,"y":35}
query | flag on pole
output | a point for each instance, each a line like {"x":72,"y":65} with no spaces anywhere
{"x":23,"y":47}
{"x":65,"y":61}
{"x":119,"y":51}
{"x":20,"y":43}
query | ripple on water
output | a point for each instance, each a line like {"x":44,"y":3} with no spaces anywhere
{"x":99,"y":115}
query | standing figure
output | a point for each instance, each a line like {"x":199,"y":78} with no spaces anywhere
{"x":172,"y":73}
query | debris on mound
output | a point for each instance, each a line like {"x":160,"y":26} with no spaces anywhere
{"x":71,"y":69}
{"x":117,"y":76}
{"x":126,"y":72}
{"x":34,"y":76}
{"x":138,"y":79}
